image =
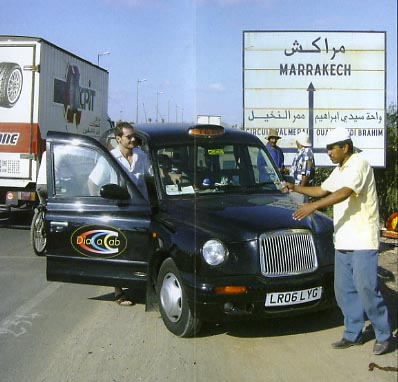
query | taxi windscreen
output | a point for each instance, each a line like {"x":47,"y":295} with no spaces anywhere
{"x":204,"y":168}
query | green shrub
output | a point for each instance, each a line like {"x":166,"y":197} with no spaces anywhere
{"x":386,"y":178}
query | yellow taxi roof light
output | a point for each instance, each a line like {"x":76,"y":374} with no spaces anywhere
{"x":206,"y":131}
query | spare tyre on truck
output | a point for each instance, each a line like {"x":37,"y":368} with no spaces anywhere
{"x":11,"y":81}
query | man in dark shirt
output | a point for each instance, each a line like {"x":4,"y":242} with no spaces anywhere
{"x":275,"y":151}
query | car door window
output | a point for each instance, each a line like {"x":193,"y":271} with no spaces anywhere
{"x":75,"y":165}
{"x":264,"y":169}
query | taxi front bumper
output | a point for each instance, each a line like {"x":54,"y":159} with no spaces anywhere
{"x":286,"y":296}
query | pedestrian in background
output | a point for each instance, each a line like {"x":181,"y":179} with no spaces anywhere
{"x":303,"y":165}
{"x":275,"y":151}
{"x":351,"y":189}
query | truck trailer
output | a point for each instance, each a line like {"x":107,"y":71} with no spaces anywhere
{"x":42,"y":87}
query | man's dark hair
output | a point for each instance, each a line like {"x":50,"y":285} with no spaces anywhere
{"x":120,"y":126}
{"x":341,"y":144}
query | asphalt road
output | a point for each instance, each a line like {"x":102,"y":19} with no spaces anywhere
{"x":52,"y":332}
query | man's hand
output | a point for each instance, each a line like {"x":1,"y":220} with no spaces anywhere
{"x":285,"y":186}
{"x":305,"y":210}
{"x":175,"y":178}
{"x":290,"y":186}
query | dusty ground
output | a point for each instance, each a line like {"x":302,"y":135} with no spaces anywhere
{"x":53,"y":332}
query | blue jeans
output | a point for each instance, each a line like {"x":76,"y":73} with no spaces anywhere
{"x":357,"y":293}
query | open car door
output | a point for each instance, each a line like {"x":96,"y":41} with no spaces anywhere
{"x":94,"y":235}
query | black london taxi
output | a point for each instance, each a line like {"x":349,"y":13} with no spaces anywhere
{"x":211,"y":239}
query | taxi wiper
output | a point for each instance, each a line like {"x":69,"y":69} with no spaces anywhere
{"x":226,"y":186}
{"x":259,"y":185}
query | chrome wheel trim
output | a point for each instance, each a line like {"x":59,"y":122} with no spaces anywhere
{"x":171,"y":297}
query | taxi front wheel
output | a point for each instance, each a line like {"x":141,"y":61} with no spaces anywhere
{"x":173,"y":304}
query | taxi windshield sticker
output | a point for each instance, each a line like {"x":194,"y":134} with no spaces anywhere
{"x":215,"y":151}
{"x":99,"y":241}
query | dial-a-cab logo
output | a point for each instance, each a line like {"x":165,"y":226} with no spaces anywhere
{"x":98,"y":241}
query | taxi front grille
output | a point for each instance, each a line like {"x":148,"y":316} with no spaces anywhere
{"x":287,"y":253}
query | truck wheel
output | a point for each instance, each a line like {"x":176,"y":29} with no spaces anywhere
{"x":10,"y":83}
{"x":173,"y":303}
{"x":38,"y":233}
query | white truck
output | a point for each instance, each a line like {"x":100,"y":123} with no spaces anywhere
{"x":42,"y":87}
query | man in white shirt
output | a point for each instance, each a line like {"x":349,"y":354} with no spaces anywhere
{"x":351,"y":189}
{"x":137,"y":164}
{"x":129,"y":155}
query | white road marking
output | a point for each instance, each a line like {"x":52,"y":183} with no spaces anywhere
{"x":31,"y":304}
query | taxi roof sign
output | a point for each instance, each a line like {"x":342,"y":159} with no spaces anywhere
{"x":206,"y":131}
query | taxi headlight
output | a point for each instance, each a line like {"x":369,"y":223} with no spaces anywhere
{"x":214,"y":252}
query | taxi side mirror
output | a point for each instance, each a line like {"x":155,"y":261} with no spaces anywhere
{"x":114,"y":191}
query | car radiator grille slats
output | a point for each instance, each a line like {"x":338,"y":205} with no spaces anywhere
{"x":287,"y":253}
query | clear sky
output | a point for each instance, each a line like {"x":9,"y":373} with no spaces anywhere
{"x":189,"y":51}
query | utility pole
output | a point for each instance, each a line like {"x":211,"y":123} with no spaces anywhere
{"x":138,"y":82}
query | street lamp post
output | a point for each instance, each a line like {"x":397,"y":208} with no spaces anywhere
{"x":176,"y":112}
{"x":99,"y":54}
{"x":157,"y":104}
{"x":138,"y":82}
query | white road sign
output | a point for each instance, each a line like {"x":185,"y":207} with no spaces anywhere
{"x":315,"y":81}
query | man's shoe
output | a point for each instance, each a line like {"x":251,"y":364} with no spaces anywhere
{"x":344,"y":344}
{"x":380,"y":348}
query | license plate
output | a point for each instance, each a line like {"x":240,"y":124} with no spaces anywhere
{"x":293,"y":298}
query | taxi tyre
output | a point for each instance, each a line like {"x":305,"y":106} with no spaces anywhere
{"x":37,"y":232}
{"x":173,"y":303}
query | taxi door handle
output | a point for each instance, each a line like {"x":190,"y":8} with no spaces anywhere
{"x":58,"y":226}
